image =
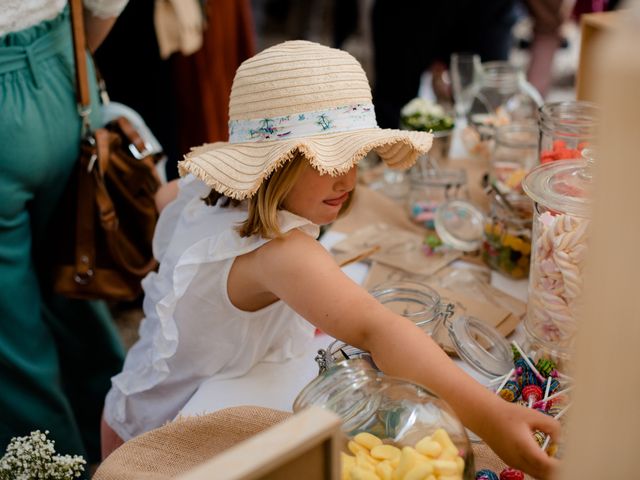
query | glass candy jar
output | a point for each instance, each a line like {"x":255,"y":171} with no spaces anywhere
{"x":398,"y":412}
{"x":507,"y":236}
{"x":430,"y":188}
{"x":561,"y":195}
{"x":566,"y":128}
{"x":515,"y":152}
{"x":413,"y":300}
{"x":502,"y":96}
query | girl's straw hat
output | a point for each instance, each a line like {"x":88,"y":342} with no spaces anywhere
{"x":298,"y":97}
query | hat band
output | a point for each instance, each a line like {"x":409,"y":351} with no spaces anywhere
{"x":339,"y":119}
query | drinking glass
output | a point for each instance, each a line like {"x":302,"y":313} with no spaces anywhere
{"x":465,"y":70}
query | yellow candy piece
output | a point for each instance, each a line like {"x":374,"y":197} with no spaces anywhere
{"x":449,"y":454}
{"x":442,"y":437}
{"x":385,"y":452}
{"x":358,"y":473}
{"x":517,"y":244}
{"x":356,"y":447}
{"x":429,"y":447}
{"x":367,"y":440}
{"x":419,"y":471}
{"x":445,"y":467}
{"x":517,"y":272}
{"x":460,"y":462}
{"x":365,"y":461}
{"x":408,"y":460}
{"x":348,"y":462}
{"x":384,"y":470}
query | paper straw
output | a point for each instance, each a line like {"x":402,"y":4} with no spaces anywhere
{"x":527,"y":361}
{"x":555,"y":395}
{"x":504,"y":382}
{"x":557,"y":417}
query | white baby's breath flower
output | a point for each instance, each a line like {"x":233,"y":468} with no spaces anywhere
{"x":422,"y":106}
{"x":33,"y":457}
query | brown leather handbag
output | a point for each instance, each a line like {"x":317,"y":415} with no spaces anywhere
{"x":108,"y":213}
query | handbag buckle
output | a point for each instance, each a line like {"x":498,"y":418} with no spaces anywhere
{"x":83,"y":278}
{"x":139,"y":155}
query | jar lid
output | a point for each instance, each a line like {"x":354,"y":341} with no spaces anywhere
{"x":480,"y":345}
{"x":413,"y":300}
{"x":460,"y":224}
{"x":438,"y":177}
{"x":563,"y":185}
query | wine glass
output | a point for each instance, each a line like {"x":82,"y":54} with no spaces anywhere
{"x":465,"y":71}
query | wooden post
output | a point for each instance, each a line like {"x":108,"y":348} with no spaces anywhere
{"x":604,"y":429}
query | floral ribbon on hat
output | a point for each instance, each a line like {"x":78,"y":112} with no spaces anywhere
{"x":346,"y":118}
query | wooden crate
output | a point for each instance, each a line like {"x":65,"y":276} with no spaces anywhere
{"x":306,"y":446}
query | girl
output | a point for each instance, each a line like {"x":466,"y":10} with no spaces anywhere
{"x":239,"y":284}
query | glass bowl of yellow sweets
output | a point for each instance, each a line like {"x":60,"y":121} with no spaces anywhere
{"x":395,"y":429}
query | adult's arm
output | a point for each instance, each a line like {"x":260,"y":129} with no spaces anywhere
{"x":99,"y":17}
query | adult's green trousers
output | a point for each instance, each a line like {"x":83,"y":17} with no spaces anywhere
{"x":57,"y":355}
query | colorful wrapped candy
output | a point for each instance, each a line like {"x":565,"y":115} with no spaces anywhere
{"x":486,"y":474}
{"x":511,"y":474}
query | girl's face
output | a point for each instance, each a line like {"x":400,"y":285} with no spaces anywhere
{"x":319,"y":197}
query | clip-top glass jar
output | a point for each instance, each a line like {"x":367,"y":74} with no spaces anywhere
{"x":566,"y":128}
{"x":397,"y":411}
{"x":507,"y":236}
{"x":561,"y":192}
{"x":413,"y":300}
{"x":515,"y":153}
{"x":432,"y":187}
{"x":502,"y":96}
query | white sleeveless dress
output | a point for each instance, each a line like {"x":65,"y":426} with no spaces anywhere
{"x":192,"y":331}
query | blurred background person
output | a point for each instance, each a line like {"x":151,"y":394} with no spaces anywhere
{"x":57,"y":355}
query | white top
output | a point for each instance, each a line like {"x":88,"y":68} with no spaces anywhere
{"x":191,"y":330}
{"x":16,"y":15}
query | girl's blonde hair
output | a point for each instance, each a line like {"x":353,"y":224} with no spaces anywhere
{"x":263,"y":207}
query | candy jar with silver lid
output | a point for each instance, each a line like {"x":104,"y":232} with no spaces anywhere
{"x":561,"y":193}
{"x":400,"y":413}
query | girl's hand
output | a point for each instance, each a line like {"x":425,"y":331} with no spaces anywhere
{"x":509,"y":432}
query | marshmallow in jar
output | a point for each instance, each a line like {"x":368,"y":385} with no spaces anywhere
{"x":560,"y":191}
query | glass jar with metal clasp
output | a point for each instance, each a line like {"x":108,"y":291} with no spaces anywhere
{"x":398,"y":412}
{"x":413,"y":300}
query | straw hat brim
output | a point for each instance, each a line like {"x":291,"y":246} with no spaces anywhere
{"x":237,"y":170}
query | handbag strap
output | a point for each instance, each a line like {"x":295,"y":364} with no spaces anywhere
{"x":80,"y":54}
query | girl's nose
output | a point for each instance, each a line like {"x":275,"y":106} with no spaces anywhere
{"x":347,"y":181}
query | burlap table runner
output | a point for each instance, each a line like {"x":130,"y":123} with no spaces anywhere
{"x":179,"y":446}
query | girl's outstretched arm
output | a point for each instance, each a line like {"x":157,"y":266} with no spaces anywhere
{"x":298,"y":270}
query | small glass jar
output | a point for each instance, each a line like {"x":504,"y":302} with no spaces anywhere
{"x":507,"y":236}
{"x":515,"y":153}
{"x":429,"y":189}
{"x":561,"y":192}
{"x":413,"y":300}
{"x":502,"y":96}
{"x":566,"y":128}
{"x":397,"y":411}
